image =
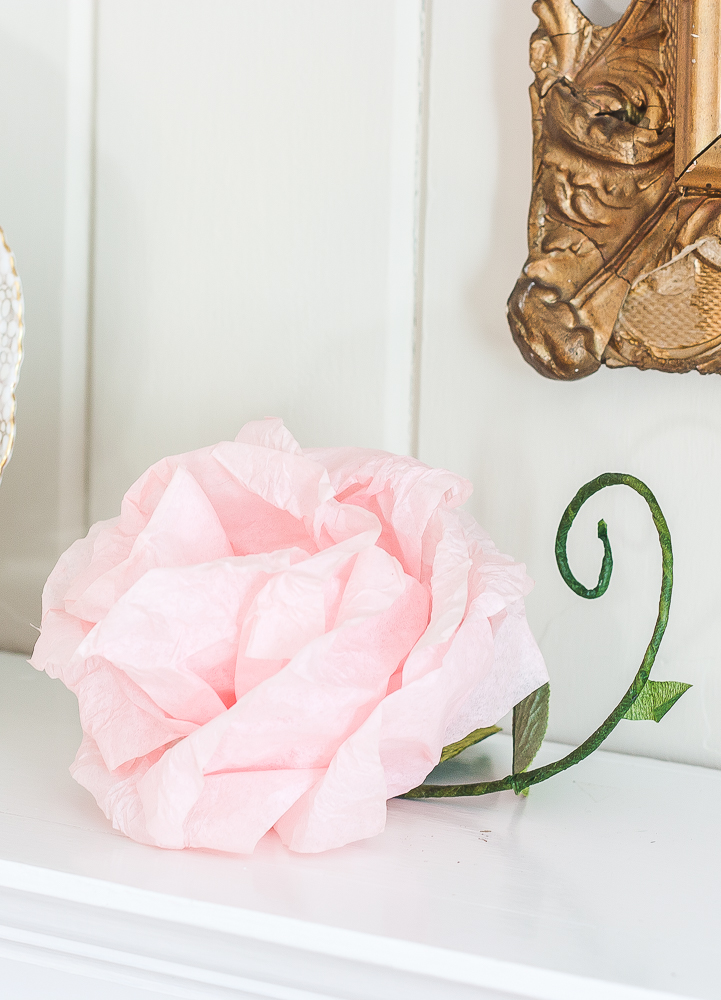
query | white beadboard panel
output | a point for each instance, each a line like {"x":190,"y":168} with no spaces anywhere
{"x":33,"y":42}
{"x":528,"y":443}
{"x":249,"y":190}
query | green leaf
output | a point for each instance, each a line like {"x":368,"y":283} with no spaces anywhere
{"x":453,"y":749}
{"x":655,"y":700}
{"x":530,"y":721}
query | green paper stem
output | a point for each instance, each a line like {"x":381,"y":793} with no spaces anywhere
{"x":519,"y":782}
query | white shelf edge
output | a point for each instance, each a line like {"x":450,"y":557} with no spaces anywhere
{"x":515,"y":979}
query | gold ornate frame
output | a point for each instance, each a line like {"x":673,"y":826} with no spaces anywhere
{"x":624,"y":265}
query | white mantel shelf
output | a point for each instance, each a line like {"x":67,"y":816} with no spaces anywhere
{"x":603,"y":885}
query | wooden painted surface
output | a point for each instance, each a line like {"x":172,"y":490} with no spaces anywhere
{"x":602,"y":885}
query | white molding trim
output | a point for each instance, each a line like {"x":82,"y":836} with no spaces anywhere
{"x":438,"y":972}
{"x":155,"y":975}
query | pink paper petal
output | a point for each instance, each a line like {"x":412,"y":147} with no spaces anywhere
{"x":269,"y":433}
{"x":403,"y":493}
{"x":236,"y":809}
{"x":297,"y":718}
{"x":175,"y":632}
{"x":287,"y":481}
{"x":183,"y":530}
{"x":290,"y":610}
{"x":120,"y":717}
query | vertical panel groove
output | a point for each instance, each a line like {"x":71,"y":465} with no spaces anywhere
{"x":420,"y":236}
{"x":73,"y":472}
{"x":406,"y":224}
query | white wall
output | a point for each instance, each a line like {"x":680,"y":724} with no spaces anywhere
{"x":33,"y":40}
{"x":260,"y":200}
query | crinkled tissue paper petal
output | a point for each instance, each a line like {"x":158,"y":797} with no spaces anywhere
{"x":276,"y":638}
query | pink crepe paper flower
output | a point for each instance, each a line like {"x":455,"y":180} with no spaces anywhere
{"x":275,"y":638}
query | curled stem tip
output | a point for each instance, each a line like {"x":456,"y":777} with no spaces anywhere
{"x":520,"y":782}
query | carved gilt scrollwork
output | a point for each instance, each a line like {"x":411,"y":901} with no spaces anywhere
{"x":624,"y":265}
